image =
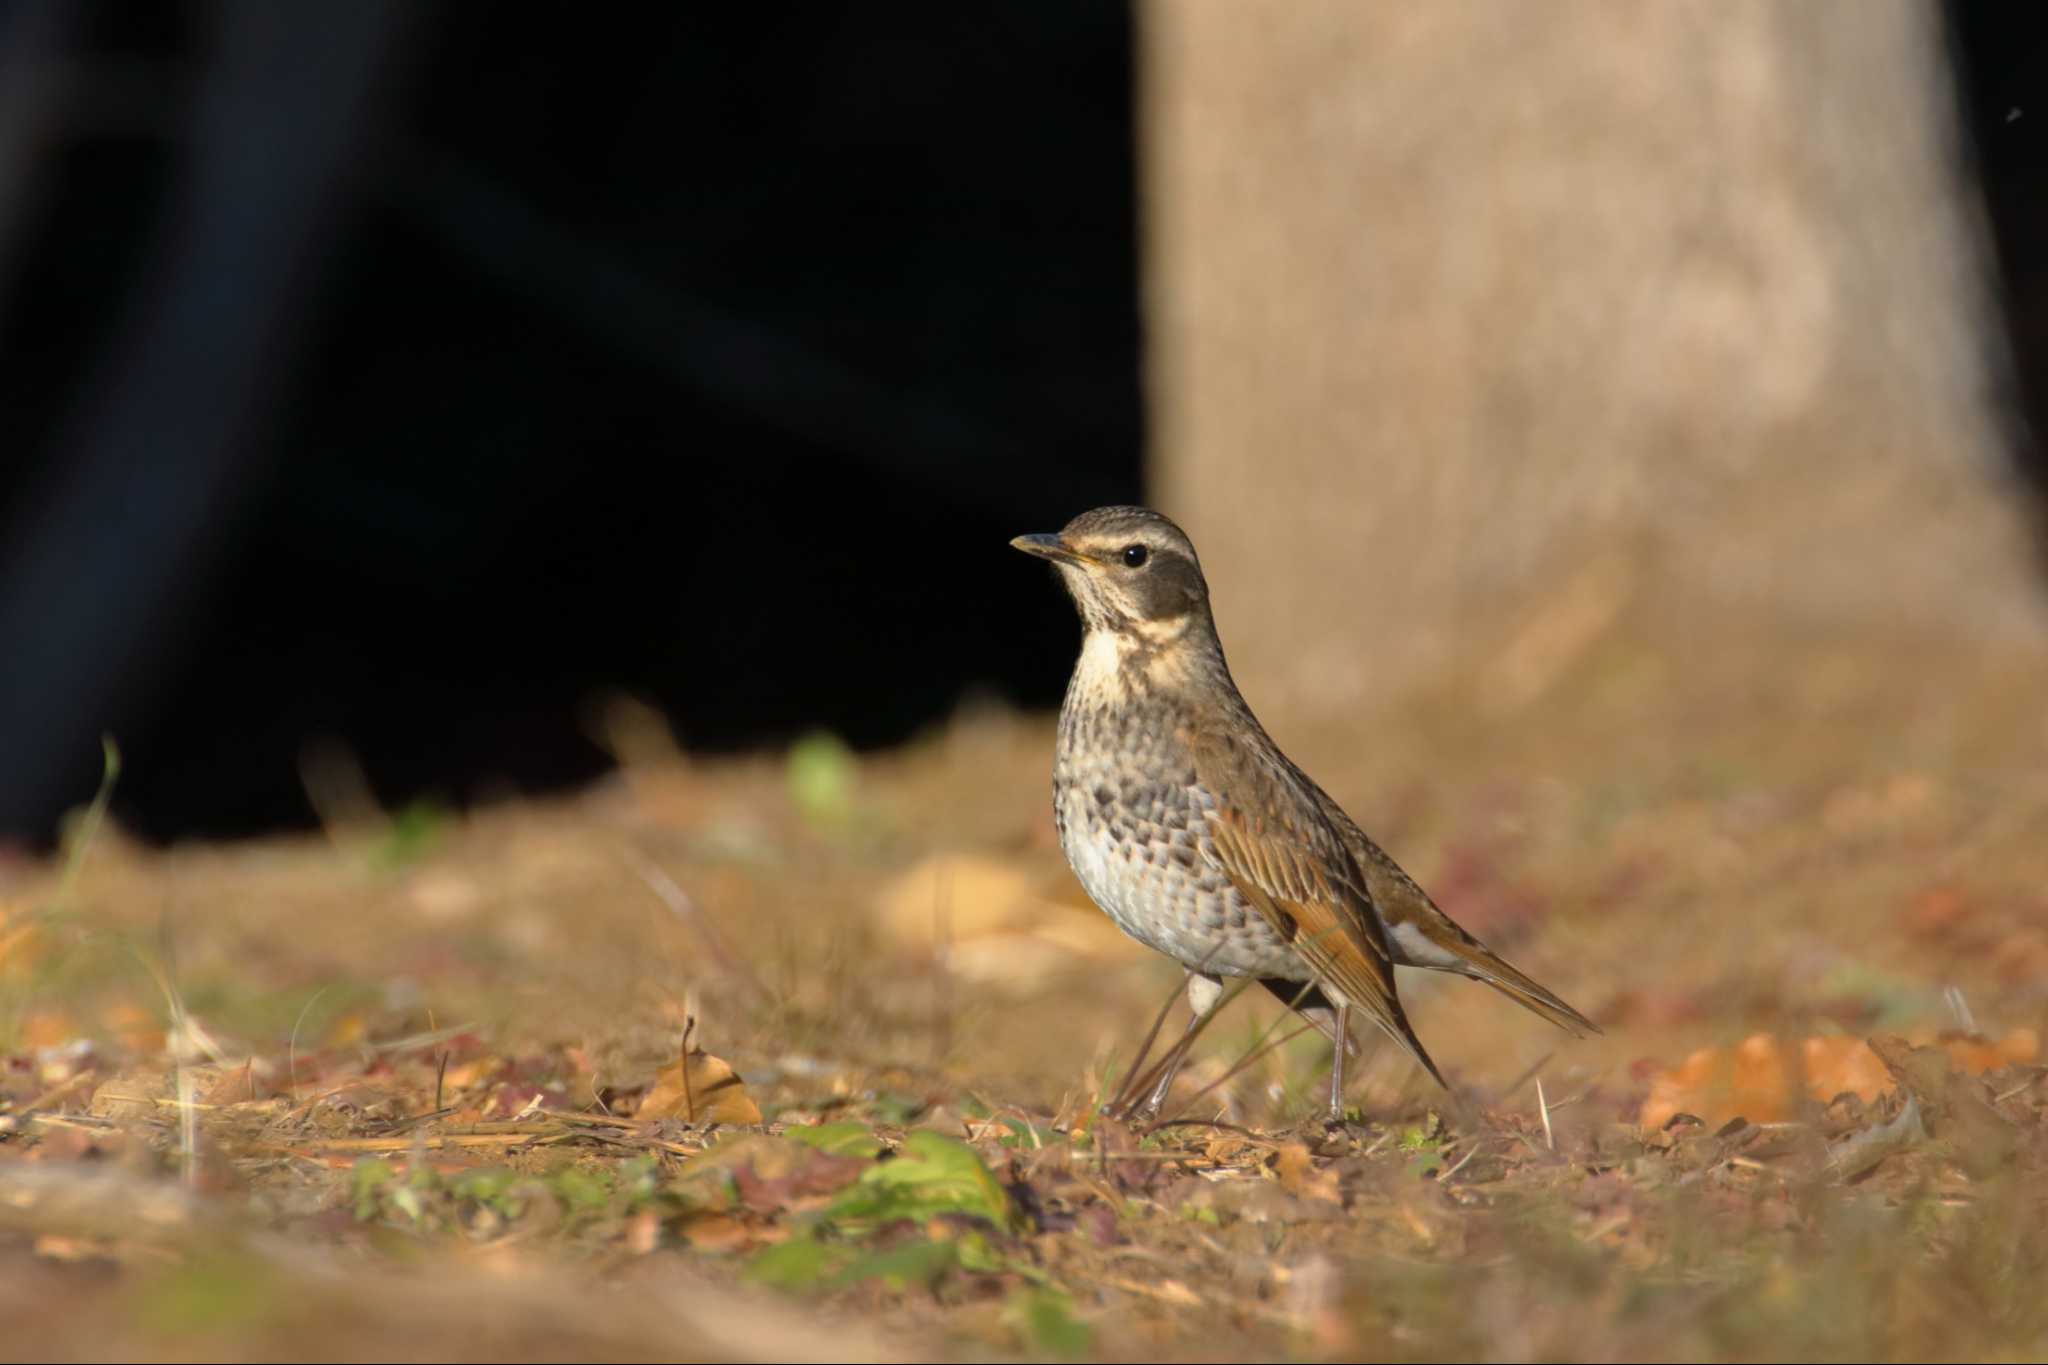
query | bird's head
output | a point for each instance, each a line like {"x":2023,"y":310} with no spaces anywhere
{"x":1129,"y":570}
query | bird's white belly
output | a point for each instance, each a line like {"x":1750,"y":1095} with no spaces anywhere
{"x":1106,"y":872}
{"x":1194,"y":917}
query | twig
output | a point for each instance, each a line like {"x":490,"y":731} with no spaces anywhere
{"x":1180,"y":1296}
{"x":942,"y":972}
{"x":407,"y":1125}
{"x":584,"y":1120}
{"x":689,"y":1093}
{"x":1124,"y":1093}
{"x":1523,"y":1079}
{"x":2026,"y":1084}
{"x":643,"y":1141}
{"x":686,"y":909}
{"x":1542,"y":1104}
{"x":95,"y":816}
{"x":292,"y":1047}
{"x":538,"y":1137}
{"x":1460,"y":1166}
{"x":1177,"y":1054}
{"x":88,"y":1122}
{"x":1959,"y":1005}
{"x":58,"y":1092}
{"x":414,"y":1041}
{"x":1247,"y":1060}
{"x":232,"y":1107}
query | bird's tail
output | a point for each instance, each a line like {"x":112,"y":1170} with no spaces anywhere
{"x":1469,"y":957}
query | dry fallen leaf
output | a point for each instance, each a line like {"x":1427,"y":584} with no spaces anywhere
{"x":1756,"y":1079}
{"x":134,"y":1027}
{"x":718,"y":1232}
{"x":1954,"y":1108}
{"x":1296,"y":1171}
{"x":45,"y":1028}
{"x":20,"y":943}
{"x":993,"y":921}
{"x":133,"y":1094}
{"x":699,"y":1089}
{"x":955,"y":896}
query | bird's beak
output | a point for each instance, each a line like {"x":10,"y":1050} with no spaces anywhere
{"x":1047,"y":546}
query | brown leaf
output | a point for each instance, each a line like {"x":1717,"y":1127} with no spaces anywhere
{"x":223,"y":1086}
{"x":20,"y":939}
{"x":1297,"y":1173}
{"x":1761,"y":1078}
{"x":1843,"y":1066}
{"x":134,"y":1028}
{"x":993,"y":922}
{"x":717,"y":1232}
{"x":132,"y":1094}
{"x":700,"y":1089}
{"x":778,"y":1175}
{"x":1954,"y":1106}
{"x":1975,"y":1054}
{"x":1099,"y":1222}
{"x":1716,"y":1084}
{"x":47,"y":1028}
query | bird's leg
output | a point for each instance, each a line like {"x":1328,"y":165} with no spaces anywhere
{"x":1203,"y":994}
{"x":1341,"y":1044}
{"x":1155,"y":1101}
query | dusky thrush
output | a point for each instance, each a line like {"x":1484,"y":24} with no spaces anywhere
{"x":1187,"y":825}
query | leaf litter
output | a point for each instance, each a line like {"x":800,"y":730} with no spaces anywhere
{"x":680,"y":1067}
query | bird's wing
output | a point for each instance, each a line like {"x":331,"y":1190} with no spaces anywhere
{"x":1268,"y":834}
{"x":1421,"y":935}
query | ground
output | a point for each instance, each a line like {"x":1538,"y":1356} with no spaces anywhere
{"x":810,"y":1055}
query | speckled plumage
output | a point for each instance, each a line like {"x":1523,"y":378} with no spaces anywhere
{"x":1196,"y":835}
{"x":1132,"y":820}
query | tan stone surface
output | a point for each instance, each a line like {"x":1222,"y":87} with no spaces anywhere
{"x":1454,"y":308}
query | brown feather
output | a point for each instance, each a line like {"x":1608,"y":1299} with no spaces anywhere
{"x":1289,"y":862}
{"x":1400,"y":903}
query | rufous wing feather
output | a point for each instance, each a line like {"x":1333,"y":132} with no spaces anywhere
{"x":1283,"y":856}
{"x":1421,"y":935}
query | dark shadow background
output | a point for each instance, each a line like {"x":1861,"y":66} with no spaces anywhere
{"x":2000,"y":57}
{"x":704,"y":352}
{"x":407,"y":374}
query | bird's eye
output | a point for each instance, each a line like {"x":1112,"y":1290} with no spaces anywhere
{"x":1135,"y":555}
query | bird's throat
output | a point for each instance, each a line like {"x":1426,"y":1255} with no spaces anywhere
{"x":1141,"y":658}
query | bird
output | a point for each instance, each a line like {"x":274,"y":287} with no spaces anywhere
{"x":1188,"y":827}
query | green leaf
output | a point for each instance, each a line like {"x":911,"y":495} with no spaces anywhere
{"x":413,"y":833}
{"x":799,"y":1263}
{"x":917,"y":1264}
{"x":369,"y":1177}
{"x":640,"y":1178}
{"x":975,"y":1253}
{"x":581,"y":1189}
{"x":1046,"y":1318}
{"x":821,"y":773}
{"x":405,"y":1197}
{"x":844,"y":1138}
{"x":214,"y":1292}
{"x":1029,"y":1136}
{"x":933,"y":1174}
{"x":890,"y":1107}
{"x":485,"y":1185}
